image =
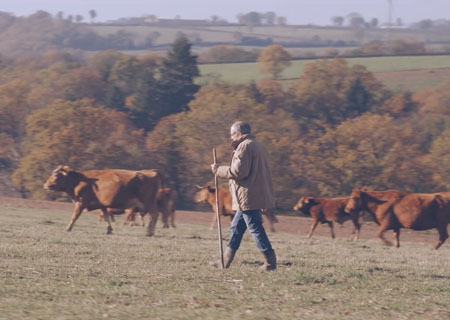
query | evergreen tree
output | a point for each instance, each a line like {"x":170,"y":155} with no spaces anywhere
{"x":146,"y":107}
{"x":177,"y":77}
{"x":115,"y":99}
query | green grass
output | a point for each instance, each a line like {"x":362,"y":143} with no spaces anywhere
{"x":46,"y":273}
{"x":246,"y":72}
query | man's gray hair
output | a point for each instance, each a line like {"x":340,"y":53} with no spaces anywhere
{"x":242,"y":127}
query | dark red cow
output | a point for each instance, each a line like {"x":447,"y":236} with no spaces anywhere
{"x":327,"y":210}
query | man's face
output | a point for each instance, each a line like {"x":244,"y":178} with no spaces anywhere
{"x":234,"y":134}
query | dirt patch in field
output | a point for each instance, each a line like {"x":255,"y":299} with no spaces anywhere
{"x":287,"y":224}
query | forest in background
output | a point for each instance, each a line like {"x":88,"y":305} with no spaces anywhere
{"x":335,"y":128}
{"x":351,"y":36}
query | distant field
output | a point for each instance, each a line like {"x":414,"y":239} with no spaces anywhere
{"x":284,"y":34}
{"x":46,"y":273}
{"x":383,"y":67}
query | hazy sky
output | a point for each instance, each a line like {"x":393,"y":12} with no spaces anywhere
{"x":296,"y":11}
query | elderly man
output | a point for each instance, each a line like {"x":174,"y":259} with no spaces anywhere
{"x":250,"y":181}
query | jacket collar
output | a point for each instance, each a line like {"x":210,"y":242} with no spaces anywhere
{"x":236,"y":143}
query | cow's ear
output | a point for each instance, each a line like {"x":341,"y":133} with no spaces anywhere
{"x":66,"y":168}
{"x":210,"y":189}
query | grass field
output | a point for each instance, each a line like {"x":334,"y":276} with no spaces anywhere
{"x":385,"y":68}
{"x":285,"y":34}
{"x":46,"y":273}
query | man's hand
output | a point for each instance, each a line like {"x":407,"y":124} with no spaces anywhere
{"x":214,"y":168}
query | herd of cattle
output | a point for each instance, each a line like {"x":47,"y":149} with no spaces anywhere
{"x":141,"y":192}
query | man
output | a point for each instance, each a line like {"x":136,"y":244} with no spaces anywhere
{"x":250,"y":181}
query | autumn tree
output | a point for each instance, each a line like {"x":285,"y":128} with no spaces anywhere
{"x":330,"y":91}
{"x":206,"y":125}
{"x":366,"y":151}
{"x":272,"y":94}
{"x":78,"y":134}
{"x":273,"y":60}
{"x":439,"y":161}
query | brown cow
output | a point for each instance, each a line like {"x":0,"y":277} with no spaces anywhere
{"x":208,"y":194}
{"x":166,"y":207}
{"x":393,"y":210}
{"x":108,"y":189}
{"x":327,"y":210}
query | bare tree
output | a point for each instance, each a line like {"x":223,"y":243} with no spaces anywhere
{"x":338,"y":21}
{"x":78,"y":18}
{"x":93,"y":15}
{"x":269,"y":17}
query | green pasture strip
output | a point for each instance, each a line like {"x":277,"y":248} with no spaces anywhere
{"x":47,"y":273}
{"x":247,"y":72}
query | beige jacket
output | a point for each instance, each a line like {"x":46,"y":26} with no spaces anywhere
{"x":250,"y":176}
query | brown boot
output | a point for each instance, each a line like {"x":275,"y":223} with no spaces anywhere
{"x":270,"y":262}
{"x":228,"y":257}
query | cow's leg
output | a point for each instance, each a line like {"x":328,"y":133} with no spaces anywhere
{"x":357,"y":228}
{"x":142,"y":215}
{"x":443,"y":235}
{"x":165,"y":215}
{"x":397,"y":237}
{"x":272,"y":229}
{"x":380,"y":232}
{"x":153,"y":212}
{"x":331,"y":229}
{"x":268,"y":214}
{"x":152,"y":223}
{"x":130,"y":217}
{"x":106,"y":218}
{"x":75,"y":215}
{"x":214,"y":219}
{"x":172,"y":218}
{"x":313,"y":227}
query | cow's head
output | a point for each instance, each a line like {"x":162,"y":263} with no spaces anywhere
{"x":354,"y":202}
{"x":303,"y":204}
{"x":204,"y":194}
{"x":58,"y":179}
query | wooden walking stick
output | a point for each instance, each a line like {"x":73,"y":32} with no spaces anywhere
{"x":219,"y":226}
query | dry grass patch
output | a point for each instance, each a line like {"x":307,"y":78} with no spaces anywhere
{"x":46,"y":273}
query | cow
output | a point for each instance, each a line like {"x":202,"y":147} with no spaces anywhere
{"x":106,"y":190}
{"x":208,"y":194}
{"x":393,"y":210}
{"x":327,"y":210}
{"x":166,"y":207}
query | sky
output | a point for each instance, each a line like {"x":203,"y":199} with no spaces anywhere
{"x":317,"y":12}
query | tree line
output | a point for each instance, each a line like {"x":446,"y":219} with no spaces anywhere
{"x":335,"y":128}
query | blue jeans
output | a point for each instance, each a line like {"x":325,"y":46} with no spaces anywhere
{"x":252,"y":220}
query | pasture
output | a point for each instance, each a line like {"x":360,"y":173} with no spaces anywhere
{"x":210,"y":34}
{"x":47,"y":273}
{"x":397,"y":73}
